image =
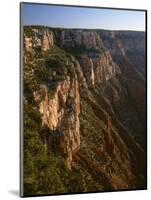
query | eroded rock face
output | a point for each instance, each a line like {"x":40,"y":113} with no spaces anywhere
{"x":61,"y":114}
{"x":88,"y":69}
{"x":89,"y":39}
{"x":47,"y":40}
{"x":92,"y":40}
{"x":128,"y":51}
{"x":119,"y":43}
{"x":28,"y":43}
{"x":70,"y":124}
{"x":98,"y":67}
{"x":42,"y":39}
{"x":96,"y":62}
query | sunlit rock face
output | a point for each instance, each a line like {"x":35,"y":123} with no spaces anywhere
{"x":98,"y":67}
{"x":61,"y":113}
{"x":42,"y":39}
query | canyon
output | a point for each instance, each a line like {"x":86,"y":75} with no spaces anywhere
{"x":89,"y":88}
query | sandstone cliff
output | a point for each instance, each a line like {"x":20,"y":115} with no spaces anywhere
{"x":38,"y":39}
{"x":89,"y":39}
{"x":98,"y":67}
{"x":119,"y":42}
{"x":61,"y":115}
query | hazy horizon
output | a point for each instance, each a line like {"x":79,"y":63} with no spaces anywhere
{"x":83,"y":28}
{"x":69,"y":17}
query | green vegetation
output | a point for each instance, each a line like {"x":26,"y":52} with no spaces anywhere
{"x":46,"y":68}
{"x":90,"y":125}
{"x":28,"y":31}
{"x":41,"y":168}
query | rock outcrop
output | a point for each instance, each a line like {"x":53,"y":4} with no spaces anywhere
{"x":119,"y":42}
{"x":88,"y":39}
{"x":61,"y":115}
{"x":42,"y":39}
{"x":98,"y":67}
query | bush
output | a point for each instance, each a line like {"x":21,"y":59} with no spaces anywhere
{"x":28,"y":31}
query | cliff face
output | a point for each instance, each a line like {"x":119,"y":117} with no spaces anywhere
{"x":36,"y":38}
{"x":98,"y":67}
{"x":88,"y":84}
{"x":61,"y":115}
{"x":89,"y":39}
{"x":128,"y":51}
{"x":119,"y":42}
{"x":95,"y":59}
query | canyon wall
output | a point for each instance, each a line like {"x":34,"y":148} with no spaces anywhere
{"x":90,"y":116}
